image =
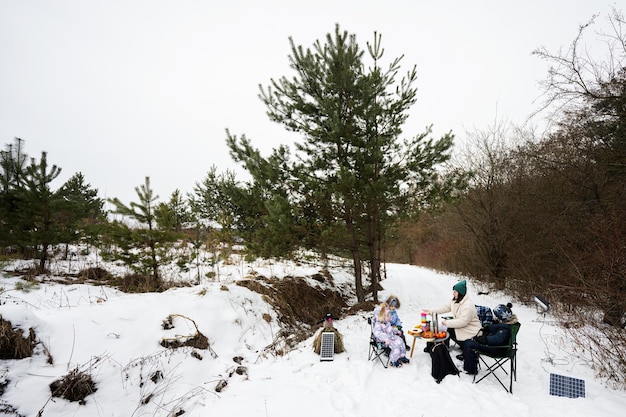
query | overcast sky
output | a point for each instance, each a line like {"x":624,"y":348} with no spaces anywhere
{"x":122,"y":89}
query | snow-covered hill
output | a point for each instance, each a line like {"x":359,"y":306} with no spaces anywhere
{"x":116,"y":338}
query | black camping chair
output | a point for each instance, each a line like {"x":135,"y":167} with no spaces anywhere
{"x":508,"y":354}
{"x":377,"y":349}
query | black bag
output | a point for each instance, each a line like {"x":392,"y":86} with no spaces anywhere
{"x":442,"y":362}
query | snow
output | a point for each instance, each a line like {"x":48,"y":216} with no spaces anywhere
{"x":116,"y":337}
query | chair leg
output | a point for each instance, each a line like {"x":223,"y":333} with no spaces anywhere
{"x":377,"y":353}
{"x":507,"y":353}
{"x":384,"y":362}
{"x":491,"y":370}
{"x":513,"y":372}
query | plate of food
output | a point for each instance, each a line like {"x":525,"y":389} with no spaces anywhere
{"x":429,"y":336}
{"x":416,"y":331}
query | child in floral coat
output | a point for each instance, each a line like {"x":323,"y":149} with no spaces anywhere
{"x":384,"y":332}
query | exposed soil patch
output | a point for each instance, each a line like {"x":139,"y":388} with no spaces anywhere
{"x":367,"y":306}
{"x":300,"y":306}
{"x":295,"y":301}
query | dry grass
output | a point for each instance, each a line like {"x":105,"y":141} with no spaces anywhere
{"x":75,"y":386}
{"x":7,"y":409}
{"x":96,"y":274}
{"x":197,"y":340}
{"x":602,"y":345}
{"x":13,"y":344}
{"x":136,"y":283}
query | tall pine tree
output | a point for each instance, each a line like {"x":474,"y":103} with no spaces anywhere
{"x":350,"y":118}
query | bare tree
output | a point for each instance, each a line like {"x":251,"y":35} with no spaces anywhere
{"x":576,"y":74}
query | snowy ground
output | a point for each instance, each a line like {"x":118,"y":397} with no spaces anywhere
{"x":115,"y":337}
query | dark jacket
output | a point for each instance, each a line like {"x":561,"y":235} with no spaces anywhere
{"x":496,"y":334}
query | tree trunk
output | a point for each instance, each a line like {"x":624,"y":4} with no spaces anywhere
{"x":358,"y":276}
{"x":356,"y":260}
{"x":43,"y":258}
{"x":375,"y":270}
{"x":153,"y":261}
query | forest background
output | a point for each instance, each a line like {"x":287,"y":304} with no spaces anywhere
{"x":526,"y":213}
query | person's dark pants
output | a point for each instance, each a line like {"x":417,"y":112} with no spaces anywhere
{"x":402,"y":335}
{"x":470,"y":357}
{"x":452,"y":334}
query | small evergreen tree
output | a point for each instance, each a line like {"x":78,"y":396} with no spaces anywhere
{"x":140,"y":243}
{"x":82,"y":210}
{"x":174,"y":214}
{"x":227,"y":209}
{"x":39,"y":209}
{"x":13,"y":163}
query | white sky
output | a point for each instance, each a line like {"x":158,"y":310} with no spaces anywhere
{"x":121,"y":90}
{"x":114,"y":337}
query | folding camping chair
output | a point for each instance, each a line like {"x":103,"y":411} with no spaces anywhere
{"x":509,"y":354}
{"x":377,"y":350}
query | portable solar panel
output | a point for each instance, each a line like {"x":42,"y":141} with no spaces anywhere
{"x":328,"y":346}
{"x":565,"y":386}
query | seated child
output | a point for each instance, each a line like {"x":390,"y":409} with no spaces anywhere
{"x":496,"y":334}
{"x":393,"y":304}
{"x":384,"y":332}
